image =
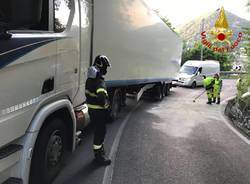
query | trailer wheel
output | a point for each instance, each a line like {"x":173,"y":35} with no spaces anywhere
{"x":167,"y":92}
{"x":158,"y":92}
{"x":115,"y":104}
{"x":164,"y":90}
{"x":49,"y":151}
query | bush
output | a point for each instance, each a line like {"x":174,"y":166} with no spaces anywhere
{"x":245,"y":79}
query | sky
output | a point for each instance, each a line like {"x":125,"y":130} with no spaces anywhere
{"x":182,"y":11}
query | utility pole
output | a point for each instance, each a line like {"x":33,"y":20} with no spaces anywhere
{"x":202,"y":29}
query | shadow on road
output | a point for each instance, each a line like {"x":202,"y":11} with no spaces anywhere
{"x":84,"y":172}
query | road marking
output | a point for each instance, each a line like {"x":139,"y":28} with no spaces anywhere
{"x":108,"y":174}
{"x":226,"y":121}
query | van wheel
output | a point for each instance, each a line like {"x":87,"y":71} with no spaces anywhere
{"x":49,"y":152}
{"x":116,"y":104}
{"x":193,"y":85}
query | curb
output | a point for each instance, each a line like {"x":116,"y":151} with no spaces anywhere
{"x":108,"y":173}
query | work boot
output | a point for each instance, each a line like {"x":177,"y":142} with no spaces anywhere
{"x":214,"y":100}
{"x":100,"y":157}
{"x":218,"y":101}
{"x":209,"y":101}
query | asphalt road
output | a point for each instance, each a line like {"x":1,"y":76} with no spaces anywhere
{"x":174,"y":141}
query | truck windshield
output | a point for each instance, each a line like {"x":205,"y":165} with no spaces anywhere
{"x":188,"y":70}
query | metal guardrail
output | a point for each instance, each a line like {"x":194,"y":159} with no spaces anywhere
{"x":247,"y":94}
{"x":232,"y":72}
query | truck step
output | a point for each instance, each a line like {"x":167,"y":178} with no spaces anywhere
{"x":13,"y":181}
{"x":10,"y":149}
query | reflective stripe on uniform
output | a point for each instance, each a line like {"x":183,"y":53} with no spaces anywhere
{"x":99,"y":90}
{"x":90,"y":94}
{"x":217,"y":88}
{"x":96,"y":147}
{"x":95,"y":106}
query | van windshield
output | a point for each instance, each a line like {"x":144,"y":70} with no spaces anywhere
{"x":188,"y":70}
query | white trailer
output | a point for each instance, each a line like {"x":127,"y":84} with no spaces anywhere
{"x":144,"y":52}
{"x":46,"y":47}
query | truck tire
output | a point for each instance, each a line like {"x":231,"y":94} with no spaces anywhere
{"x":49,"y":152}
{"x":115,"y":104}
{"x":164,"y":90}
{"x":158,"y":93}
{"x":167,"y":92}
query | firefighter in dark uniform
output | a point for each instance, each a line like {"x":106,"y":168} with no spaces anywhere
{"x":98,"y":105}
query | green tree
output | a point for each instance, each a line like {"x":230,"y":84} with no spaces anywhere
{"x":245,"y":79}
{"x":165,"y":20}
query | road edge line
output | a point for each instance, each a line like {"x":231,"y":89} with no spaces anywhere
{"x":108,"y":174}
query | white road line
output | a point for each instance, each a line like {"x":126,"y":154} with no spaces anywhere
{"x":226,"y":121}
{"x":108,"y":174}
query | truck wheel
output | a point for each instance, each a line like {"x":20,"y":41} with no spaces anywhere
{"x":49,"y":151}
{"x":115,"y":104}
{"x":167,"y":92}
{"x":193,"y":85}
{"x":164,"y":90}
{"x":158,"y":93}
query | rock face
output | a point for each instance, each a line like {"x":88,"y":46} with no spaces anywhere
{"x":191,"y":31}
{"x":238,"y":111}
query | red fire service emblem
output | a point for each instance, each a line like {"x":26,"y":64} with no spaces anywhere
{"x":220,"y":35}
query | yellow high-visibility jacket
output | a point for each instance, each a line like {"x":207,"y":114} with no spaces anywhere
{"x":208,"y":83}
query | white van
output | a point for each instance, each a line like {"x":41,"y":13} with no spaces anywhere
{"x":191,"y":73}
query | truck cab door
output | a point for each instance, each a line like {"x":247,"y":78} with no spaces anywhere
{"x":66,"y":27}
{"x":27,"y":65}
{"x":86,"y":27}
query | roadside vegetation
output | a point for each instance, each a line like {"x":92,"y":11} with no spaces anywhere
{"x":165,"y":20}
{"x":244,"y":83}
{"x":238,"y":109}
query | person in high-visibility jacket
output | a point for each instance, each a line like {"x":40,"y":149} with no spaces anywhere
{"x":217,"y":88}
{"x":98,"y":105}
{"x":208,"y":83}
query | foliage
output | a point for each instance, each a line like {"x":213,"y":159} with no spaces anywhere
{"x":248,"y":5}
{"x":194,"y":53}
{"x":245,"y":79}
{"x":165,"y":20}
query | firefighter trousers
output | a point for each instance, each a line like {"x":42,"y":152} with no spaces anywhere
{"x":99,"y":119}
